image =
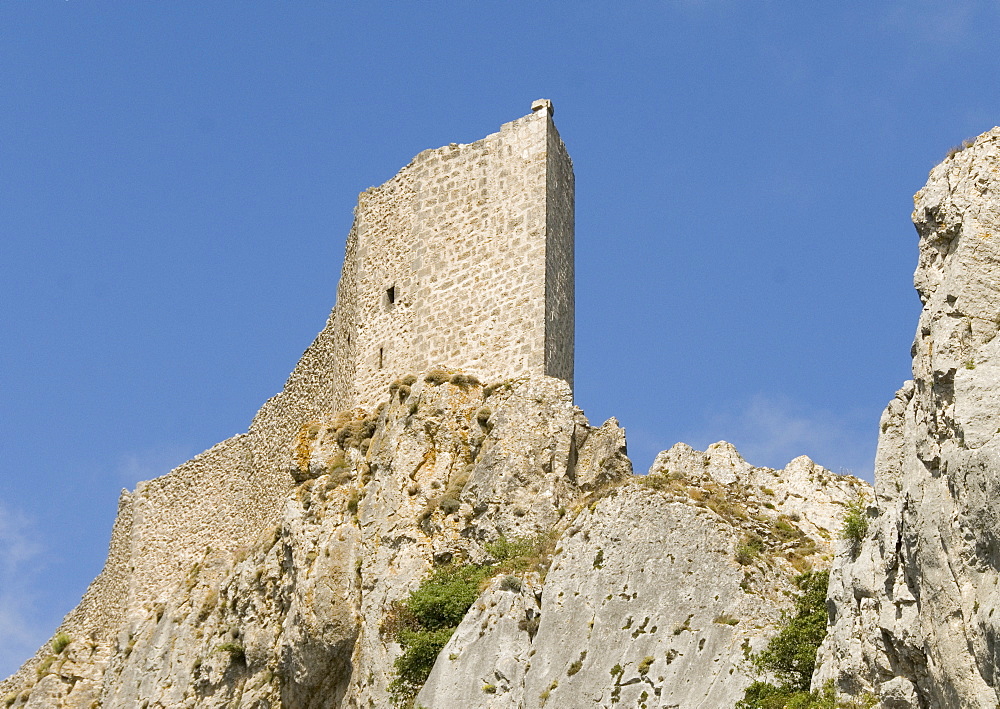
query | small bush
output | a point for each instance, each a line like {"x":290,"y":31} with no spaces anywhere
{"x":237,"y":652}
{"x":490,"y":688}
{"x":790,"y":656}
{"x":464,"y":381}
{"x":60,"y":642}
{"x":510,"y":583}
{"x":665,"y":481}
{"x":855,"y":524}
{"x":502,"y":386}
{"x":967,"y":143}
{"x":726,"y":619}
{"x":44,"y":666}
{"x":529,"y":625}
{"x":645,"y":665}
{"x":784,"y":530}
{"x":749,"y":549}
{"x":577,"y":664}
{"x":437,"y":377}
{"x":352,"y":502}
{"x":521,"y":554}
{"x":457,"y":483}
{"x":449,"y":505}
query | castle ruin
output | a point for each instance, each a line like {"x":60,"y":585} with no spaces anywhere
{"x":463,"y":260}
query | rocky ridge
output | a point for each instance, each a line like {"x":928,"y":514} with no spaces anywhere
{"x":648,"y":591}
{"x":913,"y":607}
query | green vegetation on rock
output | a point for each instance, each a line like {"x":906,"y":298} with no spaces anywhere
{"x":855,"y":524}
{"x":426,"y":620}
{"x":790,"y":656}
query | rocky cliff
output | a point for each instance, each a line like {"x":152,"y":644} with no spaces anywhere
{"x":913,"y":606}
{"x":646,"y":591}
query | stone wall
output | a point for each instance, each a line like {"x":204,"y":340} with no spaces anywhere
{"x":464,"y":260}
{"x":477,"y":243}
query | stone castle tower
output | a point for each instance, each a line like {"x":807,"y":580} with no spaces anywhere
{"x":463,"y":260}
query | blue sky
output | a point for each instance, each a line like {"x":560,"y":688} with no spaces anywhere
{"x":177,"y":179}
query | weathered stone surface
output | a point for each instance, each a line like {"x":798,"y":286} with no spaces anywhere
{"x":646,"y":575}
{"x":476,"y":243}
{"x":913,"y":608}
{"x":464,"y":259}
{"x":646,"y":603}
{"x":294,"y":616}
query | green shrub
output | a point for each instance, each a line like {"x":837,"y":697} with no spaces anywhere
{"x":790,"y":656}
{"x":60,"y":641}
{"x":443,"y":599}
{"x":420,"y":650}
{"x":236,"y":651}
{"x":761,"y":695}
{"x":855,"y":524}
{"x":427,"y":620}
{"x":749,"y":549}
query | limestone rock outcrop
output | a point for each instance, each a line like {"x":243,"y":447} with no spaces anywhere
{"x":657,"y":592}
{"x":913,"y":607}
{"x":653,"y":590}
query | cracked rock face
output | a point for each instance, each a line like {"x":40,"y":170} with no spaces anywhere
{"x":651,"y":596}
{"x":648,"y":601}
{"x":294,"y":617}
{"x":913,"y":609}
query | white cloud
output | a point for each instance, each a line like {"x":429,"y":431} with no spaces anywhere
{"x":770,"y":431}
{"x":933,"y":21}
{"x":152,"y":462}
{"x":21,"y":564}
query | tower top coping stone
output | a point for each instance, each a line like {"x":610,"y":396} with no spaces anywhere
{"x":543,"y":105}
